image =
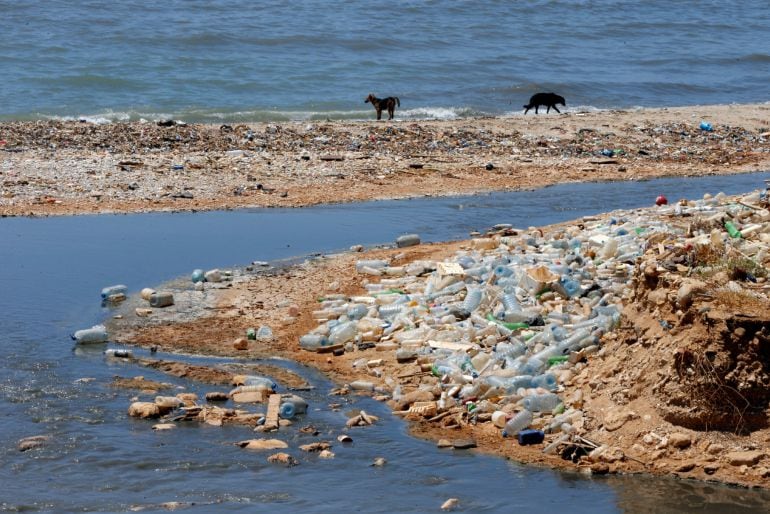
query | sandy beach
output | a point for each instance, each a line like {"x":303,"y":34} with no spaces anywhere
{"x":50,"y":168}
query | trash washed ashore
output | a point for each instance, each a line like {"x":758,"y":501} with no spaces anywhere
{"x":633,"y":341}
{"x":53,"y":167}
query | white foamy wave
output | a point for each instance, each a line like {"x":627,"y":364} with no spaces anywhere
{"x":437,"y":113}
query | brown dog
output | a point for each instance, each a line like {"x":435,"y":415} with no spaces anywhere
{"x":379,"y":104}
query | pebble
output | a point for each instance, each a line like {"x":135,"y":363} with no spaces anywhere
{"x":379,"y":462}
{"x":450,"y":504}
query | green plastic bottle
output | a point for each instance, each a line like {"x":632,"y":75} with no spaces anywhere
{"x":732,"y":230}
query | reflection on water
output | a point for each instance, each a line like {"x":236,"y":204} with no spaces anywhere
{"x":52,"y":270}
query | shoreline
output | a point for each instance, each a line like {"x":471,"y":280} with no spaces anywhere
{"x":64,"y":168}
{"x":622,"y":407}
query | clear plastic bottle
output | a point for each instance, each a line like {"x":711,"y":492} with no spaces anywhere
{"x":313,"y":342}
{"x":95,"y":334}
{"x":472,"y":299}
{"x":114,"y":290}
{"x":343,"y":332}
{"x":197,"y":276}
{"x":292,"y":406}
{"x":541,"y":402}
{"x":161,"y":299}
{"x":517,"y":423}
{"x":357,"y":311}
{"x":264,"y":334}
{"x":256,"y":380}
{"x":546,"y":381}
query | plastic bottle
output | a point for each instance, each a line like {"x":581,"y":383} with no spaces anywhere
{"x":114,"y":291}
{"x":264,"y":334}
{"x":499,"y":418}
{"x":390,"y":311}
{"x":343,"y":333}
{"x":313,"y":342}
{"x":472,"y":299}
{"x":197,"y":275}
{"x":362,"y":385}
{"x":510,"y":303}
{"x":357,"y":311}
{"x":256,"y":380}
{"x":546,"y":381}
{"x":95,"y":334}
{"x":517,"y":423}
{"x":213,"y":275}
{"x":292,"y":406}
{"x":732,"y":230}
{"x":120,"y":353}
{"x":541,"y":402}
{"x":407,"y":240}
{"x":161,"y":299}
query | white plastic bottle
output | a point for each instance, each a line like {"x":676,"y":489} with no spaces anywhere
{"x":517,"y":423}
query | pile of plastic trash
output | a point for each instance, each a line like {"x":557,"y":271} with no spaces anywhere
{"x":504,"y":321}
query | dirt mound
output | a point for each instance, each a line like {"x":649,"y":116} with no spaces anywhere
{"x":711,"y":338}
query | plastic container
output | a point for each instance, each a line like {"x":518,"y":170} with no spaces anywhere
{"x":119,"y":289}
{"x":313,"y":342}
{"x":499,"y":418}
{"x":407,"y":240}
{"x":541,"y":402}
{"x":342,"y":333}
{"x":732,"y":230}
{"x":146,"y":293}
{"x":527,"y":437}
{"x":546,"y":381}
{"x":357,"y":311}
{"x":362,"y":385}
{"x":161,"y":299}
{"x":292,"y":406}
{"x":517,"y":423}
{"x":264,"y":334}
{"x":119,"y":353}
{"x":472,"y":299}
{"x":213,"y":275}
{"x":197,"y":276}
{"x":256,"y":380}
{"x":95,"y":334}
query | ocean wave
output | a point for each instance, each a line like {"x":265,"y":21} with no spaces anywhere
{"x":258,"y":115}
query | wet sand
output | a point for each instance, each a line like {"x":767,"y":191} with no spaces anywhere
{"x":54,"y":168}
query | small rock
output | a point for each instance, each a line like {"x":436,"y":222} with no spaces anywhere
{"x":164,"y":426}
{"x":143,"y":410}
{"x":282,"y":458}
{"x":29,"y":443}
{"x":747,"y":458}
{"x":315,"y":447}
{"x":715,"y":448}
{"x":284,"y":423}
{"x":444,"y":443}
{"x":326,"y":454}
{"x":600,"y":468}
{"x":216,"y":396}
{"x":379,"y":462}
{"x":241,"y":344}
{"x":463,"y":444}
{"x":710,"y":469}
{"x":450,"y":504}
{"x":684,"y":467}
{"x":679,"y":440}
{"x":262,"y":444}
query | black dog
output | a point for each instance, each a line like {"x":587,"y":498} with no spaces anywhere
{"x":379,"y":104}
{"x":547,"y":99}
